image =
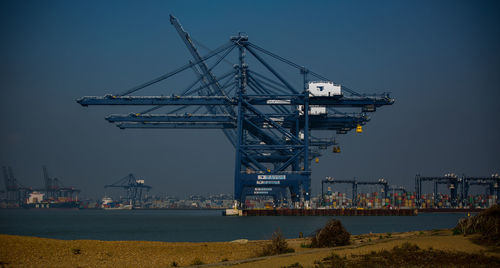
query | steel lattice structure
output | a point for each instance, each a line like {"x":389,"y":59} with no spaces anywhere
{"x":266,"y":118}
{"x":133,"y":186}
{"x":458,"y":186}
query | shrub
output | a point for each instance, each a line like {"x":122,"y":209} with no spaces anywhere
{"x":410,"y":255}
{"x":486,"y":223}
{"x":406,"y":247}
{"x":197,"y":261}
{"x":294,"y":265}
{"x":334,"y":260}
{"x":304,"y":245}
{"x":278,"y":245}
{"x":332,"y":235}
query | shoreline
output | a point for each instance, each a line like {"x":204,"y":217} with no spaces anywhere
{"x":46,"y":252}
{"x":420,"y":210}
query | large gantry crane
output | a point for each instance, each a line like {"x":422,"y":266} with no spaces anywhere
{"x":491,"y":183}
{"x":330,"y":180}
{"x":15,"y":192}
{"x":451,"y":180}
{"x":134,"y":188}
{"x":267,"y":118}
{"x":54,"y":189}
{"x":382,"y":182}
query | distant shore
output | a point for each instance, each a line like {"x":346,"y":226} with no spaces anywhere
{"x":420,"y":210}
{"x":29,"y":251}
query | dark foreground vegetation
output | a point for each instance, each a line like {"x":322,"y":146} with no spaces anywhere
{"x":486,"y":223}
{"x":410,"y":255}
{"x":486,"y":226}
{"x":277,"y":246}
{"x":332,"y":235}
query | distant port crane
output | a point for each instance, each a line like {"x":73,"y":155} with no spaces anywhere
{"x":16,"y":192}
{"x":458,"y":186}
{"x":451,"y":180}
{"x":329,"y":180}
{"x":394,"y":188}
{"x":54,"y":189}
{"x":133,"y":186}
{"x":492,"y":186}
{"x":381,"y":182}
{"x":267,"y":118}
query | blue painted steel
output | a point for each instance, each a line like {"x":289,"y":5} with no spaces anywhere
{"x":259,"y":115}
{"x":171,"y":118}
{"x":194,"y":125}
{"x":451,"y":181}
{"x":133,"y":187}
{"x":492,"y":183}
{"x":269,"y":100}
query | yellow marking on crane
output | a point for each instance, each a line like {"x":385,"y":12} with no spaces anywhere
{"x":359,"y":129}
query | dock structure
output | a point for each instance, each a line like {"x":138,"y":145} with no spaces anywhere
{"x":329,"y":212}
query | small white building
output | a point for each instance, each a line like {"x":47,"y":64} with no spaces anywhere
{"x":320,"y":89}
{"x":323,"y":88}
{"x":35,"y":197}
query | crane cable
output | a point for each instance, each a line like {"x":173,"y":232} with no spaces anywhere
{"x":298,"y":66}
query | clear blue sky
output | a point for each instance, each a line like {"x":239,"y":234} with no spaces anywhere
{"x":440,"y":60}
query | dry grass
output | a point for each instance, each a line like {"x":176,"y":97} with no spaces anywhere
{"x":277,"y":246}
{"x":367,"y":243}
{"x":23,"y":251}
{"x":411,"y":255}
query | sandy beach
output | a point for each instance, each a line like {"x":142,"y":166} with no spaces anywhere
{"x":24,"y":251}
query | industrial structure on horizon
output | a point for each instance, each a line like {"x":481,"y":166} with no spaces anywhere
{"x":268,"y":119}
{"x":465,"y":192}
{"x":134,"y":192}
{"x":54,"y":195}
{"x":390,"y":196}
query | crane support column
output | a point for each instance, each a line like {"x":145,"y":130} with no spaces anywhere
{"x":307,"y":181}
{"x":237,"y":172}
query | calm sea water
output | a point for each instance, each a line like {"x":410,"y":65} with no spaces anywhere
{"x":195,"y":225}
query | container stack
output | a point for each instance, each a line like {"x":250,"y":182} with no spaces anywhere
{"x":406,"y":200}
{"x":337,"y":200}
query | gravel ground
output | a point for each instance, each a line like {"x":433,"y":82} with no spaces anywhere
{"x":23,"y":251}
